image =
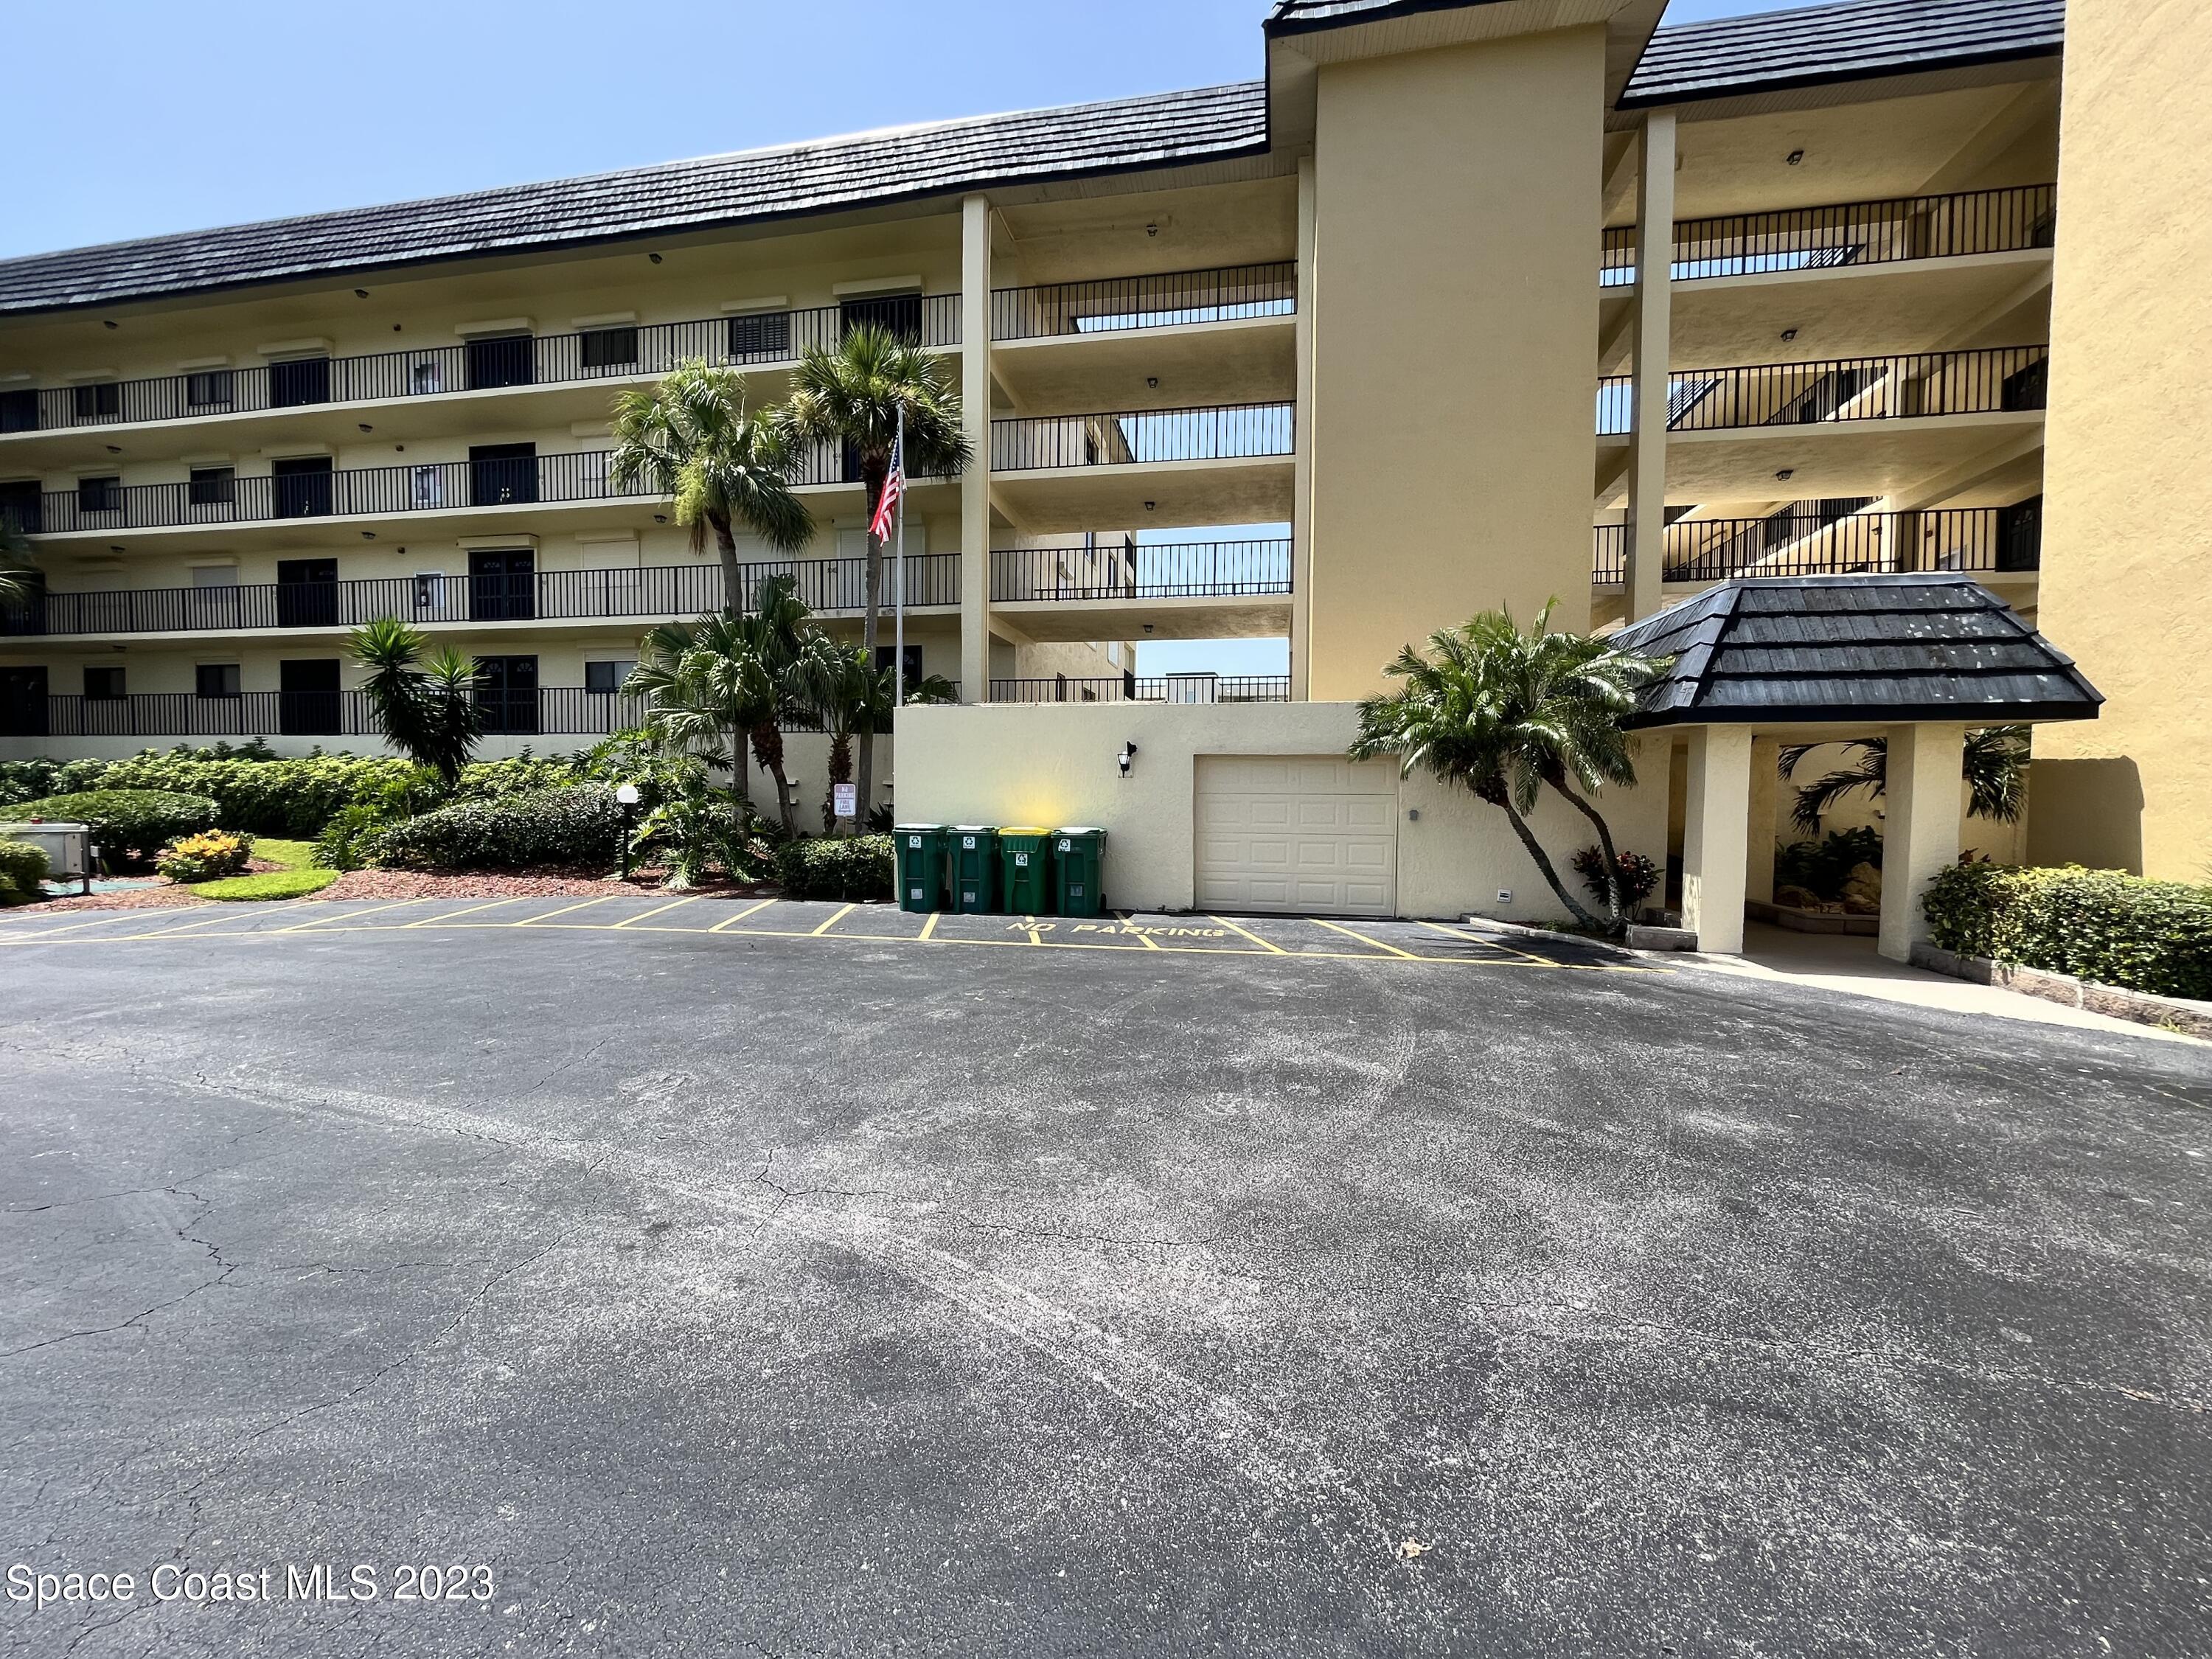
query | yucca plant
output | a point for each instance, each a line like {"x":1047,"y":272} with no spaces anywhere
{"x":425,"y":709}
{"x":1505,"y":714}
{"x":862,"y":395}
{"x":689,"y":437}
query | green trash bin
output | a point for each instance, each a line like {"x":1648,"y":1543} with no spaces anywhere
{"x":1078,"y":850}
{"x":1024,"y":859}
{"x":975,"y":859}
{"x":920,"y":850}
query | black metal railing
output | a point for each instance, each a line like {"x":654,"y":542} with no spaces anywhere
{"x":1141,"y":437}
{"x":614,"y":352}
{"x":829,"y":586}
{"x":2007,"y":378}
{"x":1127,"y":688}
{"x":1125,"y":568}
{"x":1806,"y":539}
{"x":548,"y":711}
{"x":1114,"y":303}
{"x":1848,"y":234}
{"x":360,"y":492}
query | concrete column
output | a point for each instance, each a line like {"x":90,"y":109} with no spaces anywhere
{"x":1758,"y":833}
{"x":1713,"y":836}
{"x":1302,"y":453}
{"x":1921,"y":809}
{"x":1647,"y":443}
{"x":975,"y":483}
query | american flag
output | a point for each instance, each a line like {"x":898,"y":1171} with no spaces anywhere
{"x":894,"y":487}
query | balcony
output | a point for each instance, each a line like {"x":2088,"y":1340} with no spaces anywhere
{"x":214,"y":498}
{"x":1127,"y":688}
{"x":1848,"y":234}
{"x":1817,"y":539}
{"x":832,"y":587}
{"x":1115,"y":304}
{"x":1118,"y":587}
{"x":1224,"y":465}
{"x":624,"y":352}
{"x":2009,"y":379}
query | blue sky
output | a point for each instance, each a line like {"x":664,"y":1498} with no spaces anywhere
{"x":232,"y":110}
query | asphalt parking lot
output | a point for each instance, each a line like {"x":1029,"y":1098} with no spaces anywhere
{"x":780,"y":1280}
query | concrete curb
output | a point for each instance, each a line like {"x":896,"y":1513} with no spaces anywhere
{"x":2175,"y":1013}
{"x":1521,"y":930}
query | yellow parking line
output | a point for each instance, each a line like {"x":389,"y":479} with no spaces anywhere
{"x":349,"y":916}
{"x":138,"y":916}
{"x":753,"y":909}
{"x":1277,"y":949}
{"x":1363,"y":939}
{"x":1129,"y":926}
{"x":929,"y":927}
{"x":163,"y":933}
{"x":833,"y":921}
{"x":1477,"y":938}
{"x":465,"y":910}
{"x":580,"y":904}
{"x":692,"y":898}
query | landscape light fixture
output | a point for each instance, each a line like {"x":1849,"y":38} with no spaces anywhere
{"x":626,"y":796}
{"x":1128,"y":754}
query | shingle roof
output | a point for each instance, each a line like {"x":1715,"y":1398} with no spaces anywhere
{"x":1072,"y":141}
{"x":1783,"y":650}
{"x":1730,"y":57}
{"x":1292,"y":16}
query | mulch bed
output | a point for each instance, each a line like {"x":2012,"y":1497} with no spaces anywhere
{"x":418,"y":885}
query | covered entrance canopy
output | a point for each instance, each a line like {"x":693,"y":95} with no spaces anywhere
{"x":1917,"y":658}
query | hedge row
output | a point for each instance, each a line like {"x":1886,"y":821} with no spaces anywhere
{"x":860,"y":868}
{"x":126,"y":823}
{"x":2152,"y":936}
{"x":262,"y":794}
{"x":22,"y":867}
{"x":579,"y":826}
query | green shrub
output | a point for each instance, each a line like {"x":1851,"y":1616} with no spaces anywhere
{"x":564,"y":828}
{"x":269,"y":885}
{"x":126,"y":823}
{"x":813,"y":868}
{"x":1821,"y":867}
{"x":348,"y":839}
{"x":205,"y":857}
{"x":22,"y":867}
{"x":2153,"y":936}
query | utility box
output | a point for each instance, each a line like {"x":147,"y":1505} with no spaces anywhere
{"x":69,"y":852}
{"x":921,"y":850}
{"x":1025,"y":863}
{"x":1078,"y":851}
{"x":974,"y":855}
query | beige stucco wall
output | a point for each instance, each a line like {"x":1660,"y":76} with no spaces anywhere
{"x":1458,"y":217}
{"x":2127,"y":539}
{"x":1055,"y":765}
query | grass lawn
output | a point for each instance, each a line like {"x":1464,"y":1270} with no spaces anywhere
{"x":269,"y":885}
{"x":286,"y":854}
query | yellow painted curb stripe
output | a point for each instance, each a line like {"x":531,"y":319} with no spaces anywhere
{"x":751,"y":909}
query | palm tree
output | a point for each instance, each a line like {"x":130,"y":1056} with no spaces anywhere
{"x":706,"y":689}
{"x":691,"y":437}
{"x":861,"y":396}
{"x":1505,"y":714}
{"x":780,"y":629}
{"x":1994,"y":765}
{"x":19,"y":583}
{"x":427,"y":710}
{"x":848,"y":694}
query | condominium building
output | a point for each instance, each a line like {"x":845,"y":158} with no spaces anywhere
{"x":1460,"y":305}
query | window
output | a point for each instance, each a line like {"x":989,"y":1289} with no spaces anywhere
{"x":609,"y":348}
{"x":104,"y":683}
{"x":429,"y":487}
{"x":214,"y":575}
{"x":606,"y":677}
{"x":912,"y":674}
{"x":98,"y":494}
{"x":215,"y":679}
{"x":213,"y":486}
{"x":98,"y":401}
{"x":761,"y":334}
{"x":430,"y":591}
{"x":207,"y":388}
{"x":19,"y":411}
{"x":426,"y":379}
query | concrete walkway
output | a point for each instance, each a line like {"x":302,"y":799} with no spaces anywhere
{"x":1836,"y":962}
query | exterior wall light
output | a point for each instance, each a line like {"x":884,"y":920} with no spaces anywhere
{"x":1796,"y":156}
{"x":1788,"y":335}
{"x":1128,"y":754}
{"x":655,"y":257}
{"x":1786,"y":474}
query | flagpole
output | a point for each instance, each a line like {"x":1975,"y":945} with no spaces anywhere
{"x":898,"y":610}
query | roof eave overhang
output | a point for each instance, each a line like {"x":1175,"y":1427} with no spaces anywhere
{"x":1758,"y":97}
{"x":1861,"y":719}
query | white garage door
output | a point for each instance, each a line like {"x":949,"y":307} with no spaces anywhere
{"x":1307,"y":833}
